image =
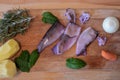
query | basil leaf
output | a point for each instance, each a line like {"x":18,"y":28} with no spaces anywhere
{"x":25,"y":55}
{"x":75,"y":63}
{"x":22,"y":65}
{"x":22,"y":61}
{"x":25,"y":61}
{"x":48,"y":17}
{"x":33,"y":58}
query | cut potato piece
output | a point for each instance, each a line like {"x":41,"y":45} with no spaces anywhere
{"x":8,"y":49}
{"x":7,"y":69}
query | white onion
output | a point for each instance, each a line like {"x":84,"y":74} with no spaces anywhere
{"x":110,"y":24}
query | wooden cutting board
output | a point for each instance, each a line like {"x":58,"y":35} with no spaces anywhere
{"x":58,"y":4}
{"x":52,"y":67}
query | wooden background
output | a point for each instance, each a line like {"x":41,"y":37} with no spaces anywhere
{"x":58,"y":4}
{"x":52,"y":67}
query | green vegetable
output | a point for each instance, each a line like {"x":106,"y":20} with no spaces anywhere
{"x":14,"y":22}
{"x":33,"y":58}
{"x":22,"y":61}
{"x":26,"y":61}
{"x":22,"y":65}
{"x":75,"y":63}
{"x":25,"y":55}
{"x":48,"y":17}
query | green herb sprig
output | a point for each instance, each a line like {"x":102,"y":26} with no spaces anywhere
{"x":14,"y":22}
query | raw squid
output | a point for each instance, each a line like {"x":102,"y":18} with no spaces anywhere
{"x":86,"y":37}
{"x":68,"y":39}
{"x":55,"y":31}
{"x":101,"y":40}
{"x":84,"y":17}
{"x":70,"y":14}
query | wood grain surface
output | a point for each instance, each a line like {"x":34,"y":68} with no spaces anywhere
{"x":58,"y":4}
{"x":52,"y":67}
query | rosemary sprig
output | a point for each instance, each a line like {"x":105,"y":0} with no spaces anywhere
{"x":14,"y":22}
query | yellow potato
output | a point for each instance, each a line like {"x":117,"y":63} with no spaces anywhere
{"x":8,"y":49}
{"x":7,"y":69}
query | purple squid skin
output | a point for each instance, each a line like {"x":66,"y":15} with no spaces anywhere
{"x":64,"y":44}
{"x":86,"y":37}
{"x":54,"y":32}
{"x":84,"y":17}
{"x":68,"y":39}
{"x":70,"y":14}
{"x":101,"y":40}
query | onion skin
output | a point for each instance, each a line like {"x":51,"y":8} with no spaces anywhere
{"x":110,"y":24}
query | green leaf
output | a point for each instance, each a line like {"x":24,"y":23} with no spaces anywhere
{"x":26,"y":61}
{"x":25,"y":55}
{"x":33,"y":58}
{"x":22,"y":61}
{"x":48,"y":17}
{"x":22,"y":65}
{"x":75,"y":63}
